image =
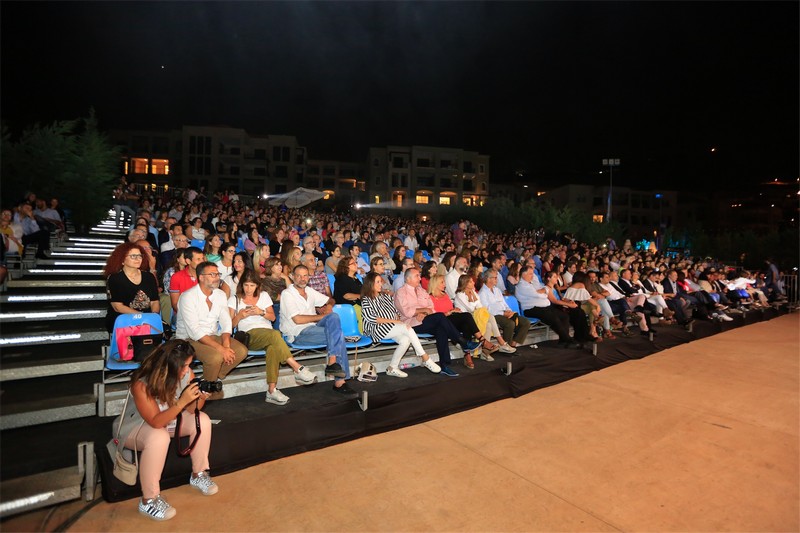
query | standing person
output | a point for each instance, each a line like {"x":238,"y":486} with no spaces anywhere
{"x":416,"y":309}
{"x":382,"y":321}
{"x":131,"y":289}
{"x":251,"y":311}
{"x":307,"y":317}
{"x":162,"y":389}
{"x":204,"y":320}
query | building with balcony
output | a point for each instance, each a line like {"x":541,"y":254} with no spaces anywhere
{"x":342,"y":182}
{"x":423,"y":180}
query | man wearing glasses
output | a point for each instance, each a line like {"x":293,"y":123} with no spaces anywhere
{"x":204,"y":321}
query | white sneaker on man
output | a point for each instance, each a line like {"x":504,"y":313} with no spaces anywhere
{"x":396,"y":372}
{"x":507,"y":348}
{"x":304,"y":376}
{"x":725,"y":318}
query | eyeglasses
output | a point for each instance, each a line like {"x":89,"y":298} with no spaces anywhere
{"x":134,"y":256}
{"x":214,"y":275}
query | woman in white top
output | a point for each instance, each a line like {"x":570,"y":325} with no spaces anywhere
{"x":251,"y":312}
{"x":468,"y":301}
{"x":225,"y":264}
{"x":240,"y":263}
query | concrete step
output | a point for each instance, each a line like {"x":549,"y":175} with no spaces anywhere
{"x":41,"y":490}
{"x":50,"y":367}
{"x":32,"y":282}
{"x":53,"y":337}
{"x":45,"y":411}
{"x":37,"y":316}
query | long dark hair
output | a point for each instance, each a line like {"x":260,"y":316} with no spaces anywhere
{"x":368,"y":287}
{"x":252,"y":277}
{"x":161,"y":369}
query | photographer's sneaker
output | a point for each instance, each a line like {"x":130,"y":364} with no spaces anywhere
{"x":156,"y":508}
{"x":203,"y":483}
{"x":304,"y":376}
{"x":276,"y":397}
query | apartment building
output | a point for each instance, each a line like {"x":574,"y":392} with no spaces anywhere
{"x":426,"y":179}
{"x":342,"y":182}
{"x":215,"y":157}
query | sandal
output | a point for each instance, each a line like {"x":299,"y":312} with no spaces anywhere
{"x":489,"y":347}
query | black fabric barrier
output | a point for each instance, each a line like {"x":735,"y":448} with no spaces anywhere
{"x":251,"y":432}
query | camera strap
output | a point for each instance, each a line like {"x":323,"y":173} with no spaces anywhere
{"x":178,"y":420}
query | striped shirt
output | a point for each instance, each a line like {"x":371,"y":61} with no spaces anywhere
{"x":372,"y":308}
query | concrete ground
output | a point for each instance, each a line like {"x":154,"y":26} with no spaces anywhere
{"x":702,"y":437}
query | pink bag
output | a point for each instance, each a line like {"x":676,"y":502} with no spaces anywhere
{"x":124,"y":343}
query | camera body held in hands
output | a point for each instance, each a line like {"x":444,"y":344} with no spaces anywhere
{"x":207,"y":386}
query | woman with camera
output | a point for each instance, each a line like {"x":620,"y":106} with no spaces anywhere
{"x":162,"y":389}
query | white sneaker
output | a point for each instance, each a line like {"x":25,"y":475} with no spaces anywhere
{"x":304,"y":376}
{"x":157,"y":508}
{"x":430,"y":365}
{"x":396,"y":372}
{"x":725,"y":318}
{"x":507,"y":348}
{"x":203,"y":483}
{"x":276,"y":397}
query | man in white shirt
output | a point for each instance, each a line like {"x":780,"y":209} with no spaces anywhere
{"x":410,"y":242}
{"x":204,"y":320}
{"x":534,"y":303}
{"x":307,"y":318}
{"x":515,"y":329}
{"x":451,"y":278}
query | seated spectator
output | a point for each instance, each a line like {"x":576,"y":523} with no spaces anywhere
{"x":468,"y":301}
{"x":317,"y":280}
{"x":513,"y":326}
{"x":577,"y":318}
{"x":162,"y":389}
{"x":225,"y":264}
{"x":379,"y":249}
{"x":251,"y":311}
{"x":381,"y":320}
{"x":399,"y":255}
{"x":332,"y":262}
{"x":31,"y":232}
{"x":212,"y":249}
{"x":131,"y":287}
{"x":198,"y":232}
{"x":260,"y":256}
{"x":241,"y":262}
{"x":460,"y":268}
{"x":306,"y":317}
{"x":205,"y":321}
{"x":533,"y":300}
{"x":187,"y":278}
{"x":428,"y":270}
{"x":13,"y":233}
{"x":363,"y":266}
{"x":463,"y":322}
{"x":416,"y":308}
{"x":399,"y":279}
{"x":378,"y":265}
{"x":290,"y":257}
{"x":48,"y":218}
{"x":347,"y":289}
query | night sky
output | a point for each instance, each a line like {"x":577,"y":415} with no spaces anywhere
{"x":549,"y":88}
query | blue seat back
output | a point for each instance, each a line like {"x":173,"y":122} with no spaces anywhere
{"x":425,"y":255}
{"x":151,"y":319}
{"x":513,"y":303}
{"x":364,"y":256}
{"x":197,"y":243}
{"x":347,"y":316}
{"x":331,"y":281}
{"x":410,"y":253}
{"x":240,"y":245}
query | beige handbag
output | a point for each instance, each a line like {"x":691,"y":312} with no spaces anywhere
{"x":124,"y":470}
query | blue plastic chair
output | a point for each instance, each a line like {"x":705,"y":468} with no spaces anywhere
{"x":197,"y":243}
{"x":240,"y":245}
{"x":347,"y":316}
{"x":410,"y":253}
{"x":425,"y":255}
{"x":112,"y":361}
{"x":364,"y":256}
{"x":513,"y":303}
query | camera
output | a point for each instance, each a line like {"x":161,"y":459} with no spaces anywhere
{"x":207,"y":386}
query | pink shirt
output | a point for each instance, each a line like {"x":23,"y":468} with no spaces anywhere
{"x":408,"y":299}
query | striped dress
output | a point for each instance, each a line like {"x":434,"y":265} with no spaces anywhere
{"x":372,"y":308}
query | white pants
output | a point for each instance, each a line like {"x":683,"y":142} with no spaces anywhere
{"x":404,"y":336}
{"x":659,"y":302}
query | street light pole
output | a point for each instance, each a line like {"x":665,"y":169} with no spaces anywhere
{"x":610,"y":163}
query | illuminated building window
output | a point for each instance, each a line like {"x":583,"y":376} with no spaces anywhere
{"x":377,"y":199}
{"x":468,"y":200}
{"x":597,"y":218}
{"x":444,"y":200}
{"x":422,"y":199}
{"x":160,"y":166}
{"x":126,"y":168}
{"x":139,"y":165}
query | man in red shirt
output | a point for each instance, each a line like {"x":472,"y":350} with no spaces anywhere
{"x":187,"y":278}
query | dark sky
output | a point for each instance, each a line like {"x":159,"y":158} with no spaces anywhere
{"x":551,"y":88}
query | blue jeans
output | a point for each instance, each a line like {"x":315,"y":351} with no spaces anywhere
{"x":327,"y":331}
